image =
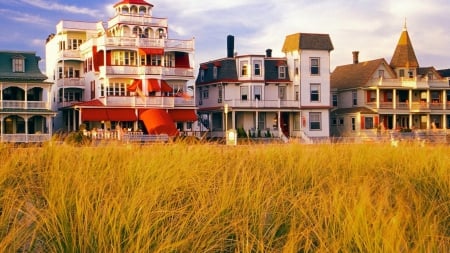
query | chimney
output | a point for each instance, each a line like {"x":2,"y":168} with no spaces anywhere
{"x":355,"y":57}
{"x":230,"y":46}
{"x":269,"y":53}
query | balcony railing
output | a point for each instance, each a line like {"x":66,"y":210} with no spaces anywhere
{"x":136,"y":42}
{"x":69,"y":54}
{"x":263,"y":103}
{"x":25,"y":138}
{"x":156,"y":102}
{"x":17,"y":104}
{"x":408,"y":82}
{"x":420,"y":106}
{"x":71,"y":83}
{"x":137,"y":20}
{"x":146,"y":70}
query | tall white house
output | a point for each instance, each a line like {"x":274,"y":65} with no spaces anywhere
{"x":265,"y":96}
{"x":126,"y":73}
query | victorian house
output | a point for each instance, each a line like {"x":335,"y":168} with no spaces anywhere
{"x":375,"y":97}
{"x":265,"y":96}
{"x":123,"y":74}
{"x":25,"y":111}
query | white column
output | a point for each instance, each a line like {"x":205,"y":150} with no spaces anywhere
{"x":378,"y":98}
{"x":394,"y":98}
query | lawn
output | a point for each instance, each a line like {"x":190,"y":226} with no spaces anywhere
{"x":215,"y":198}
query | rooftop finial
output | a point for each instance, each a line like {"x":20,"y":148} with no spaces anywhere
{"x":404,"y":26}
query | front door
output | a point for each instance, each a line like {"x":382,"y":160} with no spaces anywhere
{"x":284,"y":123}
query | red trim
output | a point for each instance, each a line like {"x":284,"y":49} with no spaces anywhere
{"x":108,"y":114}
{"x":153,"y":85}
{"x":142,"y":2}
{"x":93,"y":114}
{"x":165,"y":87}
{"x":185,"y":115}
{"x":136,"y":83}
{"x":153,"y":51}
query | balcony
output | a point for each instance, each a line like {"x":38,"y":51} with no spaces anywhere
{"x":18,"y":104}
{"x":263,"y":103}
{"x":154,"y":102}
{"x":408,"y":82}
{"x":135,"y":42}
{"x":69,"y":54}
{"x":71,"y":83}
{"x":145,"y":70}
{"x":137,"y":20}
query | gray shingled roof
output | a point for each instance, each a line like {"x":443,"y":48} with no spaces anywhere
{"x":444,"y":72}
{"x":355,"y":75}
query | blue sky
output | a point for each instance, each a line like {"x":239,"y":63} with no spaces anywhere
{"x":369,"y":26}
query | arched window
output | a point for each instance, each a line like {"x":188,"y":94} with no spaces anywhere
{"x":142,"y":10}
{"x":125,"y":10}
{"x":133,"y":9}
{"x":14,"y":125}
{"x":137,"y":31}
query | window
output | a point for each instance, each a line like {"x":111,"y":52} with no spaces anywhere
{"x":74,"y":44}
{"x":244,"y":92}
{"x":372,"y":97}
{"x":296,"y":126}
{"x":205,"y":93}
{"x":282,"y":92}
{"x":401,"y":73}
{"x":411,"y":73}
{"x":102,"y":90}
{"x":368,"y":123}
{"x":257,"y":68}
{"x":125,"y":58}
{"x":220,"y":95}
{"x":315,"y":92}
{"x":435,"y":98}
{"x":202,"y":75}
{"x":333,"y":121}
{"x":315,"y":66}
{"x":353,"y":124}
{"x":381,"y":73}
{"x":297,"y":92}
{"x":244,"y":68}
{"x":261,"y":120}
{"x":430,"y":76}
{"x":282,"y":72}
{"x":335,"y":100}
{"x":257,"y":90}
{"x":215,"y":72}
{"x":341,"y":121}
{"x":388,"y":96}
{"x":315,"y":120}
{"x":18,"y":64}
{"x":354,"y":98}
{"x":296,"y":67}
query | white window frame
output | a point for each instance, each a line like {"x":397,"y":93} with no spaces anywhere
{"x":314,"y":66}
{"x":282,"y":72}
{"x":315,"y":118}
{"x":314,"y":91}
{"x":244,"y":69}
{"x":282,"y":92}
{"x":18,"y":64}
{"x":257,"y":68}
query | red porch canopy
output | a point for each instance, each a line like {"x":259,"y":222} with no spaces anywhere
{"x":165,"y":87}
{"x":183,"y":115}
{"x":153,"y":85}
{"x":108,"y":114}
{"x":136,"y":83}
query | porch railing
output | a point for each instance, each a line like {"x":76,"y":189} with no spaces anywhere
{"x":25,"y":138}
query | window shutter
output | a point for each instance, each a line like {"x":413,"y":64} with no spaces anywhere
{"x":362,"y":122}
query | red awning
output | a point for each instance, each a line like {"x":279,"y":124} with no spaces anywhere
{"x":135,"y":84}
{"x":165,"y":87}
{"x":204,"y":66}
{"x":108,"y":114}
{"x":158,"y":121}
{"x":153,"y":85}
{"x":154,"y":51}
{"x":185,"y":115}
{"x":217,"y":63}
{"x":121,"y":114}
{"x":93,"y":114}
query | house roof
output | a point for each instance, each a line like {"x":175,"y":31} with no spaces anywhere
{"x":32,"y":73}
{"x":404,"y":55}
{"x":444,"y":72}
{"x":355,"y":75}
{"x":312,"y":41}
{"x":140,"y":2}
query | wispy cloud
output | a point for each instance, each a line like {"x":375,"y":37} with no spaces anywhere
{"x":23,"y":17}
{"x":55,"y":6}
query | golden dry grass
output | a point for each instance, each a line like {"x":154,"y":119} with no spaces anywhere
{"x":214,"y":198}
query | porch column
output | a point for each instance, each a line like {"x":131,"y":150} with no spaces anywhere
{"x":49,"y":125}
{"x":26,"y":128}
{"x":256,"y":121}
{"x":410,"y":123}
{"x":444,"y":99}
{"x":394,"y":121}
{"x":428,"y":121}
{"x":394,"y":98}
{"x":74,"y":118}
{"x":378,"y":98}
{"x":233,"y":123}
{"x":410,"y":96}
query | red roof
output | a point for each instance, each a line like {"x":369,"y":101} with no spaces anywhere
{"x":94,"y":102}
{"x":141,"y":2}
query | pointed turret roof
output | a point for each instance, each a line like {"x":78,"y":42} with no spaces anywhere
{"x":404,"y":55}
{"x":140,"y":2}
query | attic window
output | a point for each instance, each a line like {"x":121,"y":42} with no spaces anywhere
{"x":18,"y":64}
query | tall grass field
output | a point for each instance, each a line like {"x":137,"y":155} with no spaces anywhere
{"x":215,"y":198}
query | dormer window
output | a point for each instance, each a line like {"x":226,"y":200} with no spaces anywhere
{"x":18,"y":64}
{"x":282,"y":72}
{"x":401,"y":73}
{"x":411,"y":73}
{"x":244,"y":68}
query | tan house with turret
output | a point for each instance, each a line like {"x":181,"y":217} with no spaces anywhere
{"x":374,"y":97}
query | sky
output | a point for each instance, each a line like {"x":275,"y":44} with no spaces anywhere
{"x":371,"y":27}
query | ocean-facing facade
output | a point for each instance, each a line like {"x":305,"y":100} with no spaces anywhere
{"x":125,"y":74}
{"x":25,"y":111}
{"x":265,"y":96}
{"x":374,"y":98}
